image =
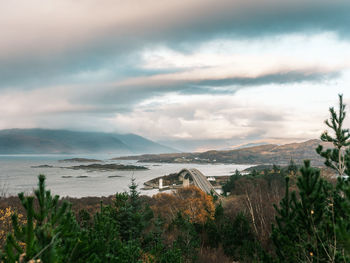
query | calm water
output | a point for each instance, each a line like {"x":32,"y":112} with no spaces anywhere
{"x":17,"y":175}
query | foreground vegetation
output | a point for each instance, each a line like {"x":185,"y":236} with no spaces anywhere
{"x":277,"y":215}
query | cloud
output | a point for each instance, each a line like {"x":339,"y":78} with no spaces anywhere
{"x":256,"y":114}
{"x":221,"y":67}
{"x":202,"y":117}
{"x":172,"y":70}
{"x":216,"y":68}
{"x":276,"y":78}
{"x":207,"y":80}
{"x":58,"y":40}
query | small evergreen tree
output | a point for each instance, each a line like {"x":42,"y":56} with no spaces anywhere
{"x":292,"y":168}
{"x":116,"y":233}
{"x":102,"y":242}
{"x":43,"y":231}
{"x":230,"y":184}
{"x":283,"y":234}
{"x":238,"y":239}
{"x":254,"y":173}
{"x":132,"y":216}
{"x":276,"y":169}
{"x":337,"y":158}
{"x":315,"y":225}
{"x":305,"y":229}
{"x":187,"y":240}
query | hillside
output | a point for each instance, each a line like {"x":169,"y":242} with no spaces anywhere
{"x":42,"y":141}
{"x":262,"y":154}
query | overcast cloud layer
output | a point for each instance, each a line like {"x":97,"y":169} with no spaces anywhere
{"x":194,"y":74}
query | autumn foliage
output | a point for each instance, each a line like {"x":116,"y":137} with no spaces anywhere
{"x":190,"y":201}
{"x":6,"y":223}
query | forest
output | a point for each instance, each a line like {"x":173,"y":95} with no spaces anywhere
{"x":282,"y":214}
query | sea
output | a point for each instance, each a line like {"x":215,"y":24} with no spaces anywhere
{"x":19,"y":173}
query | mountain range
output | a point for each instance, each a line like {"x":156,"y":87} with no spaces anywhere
{"x":44,"y":141}
{"x":261,"y":154}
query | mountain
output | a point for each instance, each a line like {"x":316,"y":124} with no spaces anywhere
{"x":262,"y":154}
{"x":241,"y":146}
{"x":43,"y":141}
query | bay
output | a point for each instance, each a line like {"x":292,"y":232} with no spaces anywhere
{"x":18,"y":174}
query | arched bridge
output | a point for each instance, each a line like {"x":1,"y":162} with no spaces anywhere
{"x":198,"y":179}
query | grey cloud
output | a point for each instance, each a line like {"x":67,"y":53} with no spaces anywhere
{"x":59,"y":69}
{"x":275,"y":78}
{"x":181,"y":29}
{"x":125,"y":97}
{"x":112,"y":55}
{"x":266,"y":117}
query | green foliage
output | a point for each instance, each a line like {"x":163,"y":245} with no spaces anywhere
{"x":117,"y":233}
{"x":102,"y":242}
{"x":187,"y":240}
{"x":155,"y":245}
{"x":337,"y":158}
{"x":314,"y":225}
{"x":131,"y":216}
{"x":284,"y":235}
{"x":43,"y":234}
{"x":235,"y":235}
{"x":84,"y":218}
{"x":122,"y":232}
{"x":307,"y":226}
{"x":276,"y":168}
{"x":230,"y":184}
{"x":255,"y":178}
{"x":238,"y":238}
{"x":254,"y":173}
{"x":292,"y":168}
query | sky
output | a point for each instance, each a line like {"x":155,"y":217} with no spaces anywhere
{"x":194,"y":74}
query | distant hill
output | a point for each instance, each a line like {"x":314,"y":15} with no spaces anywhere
{"x":241,"y":146}
{"x":42,"y":141}
{"x":262,"y":154}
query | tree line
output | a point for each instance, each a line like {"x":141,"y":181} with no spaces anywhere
{"x":290,"y":214}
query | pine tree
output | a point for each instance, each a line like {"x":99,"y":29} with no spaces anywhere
{"x":187,"y":240}
{"x":292,"y":168}
{"x":276,"y":168}
{"x":337,"y":158}
{"x":238,"y":238}
{"x":230,"y":184}
{"x":314,"y":225}
{"x":132,"y":216}
{"x":254,"y":173}
{"x":283,"y":234}
{"x":41,"y":234}
{"x":305,"y":229}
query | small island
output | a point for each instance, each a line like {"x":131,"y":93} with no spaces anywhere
{"x":42,"y":166}
{"x":79,"y":160}
{"x":107,"y":167}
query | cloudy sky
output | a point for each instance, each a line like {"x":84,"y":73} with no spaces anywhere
{"x":194,"y":74}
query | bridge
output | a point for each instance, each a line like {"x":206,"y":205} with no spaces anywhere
{"x":198,"y":179}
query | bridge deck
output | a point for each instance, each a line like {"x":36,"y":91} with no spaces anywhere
{"x":200,"y":180}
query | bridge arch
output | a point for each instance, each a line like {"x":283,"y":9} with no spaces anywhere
{"x":198,"y":178}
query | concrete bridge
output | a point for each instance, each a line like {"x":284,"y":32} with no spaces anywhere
{"x":198,"y":179}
